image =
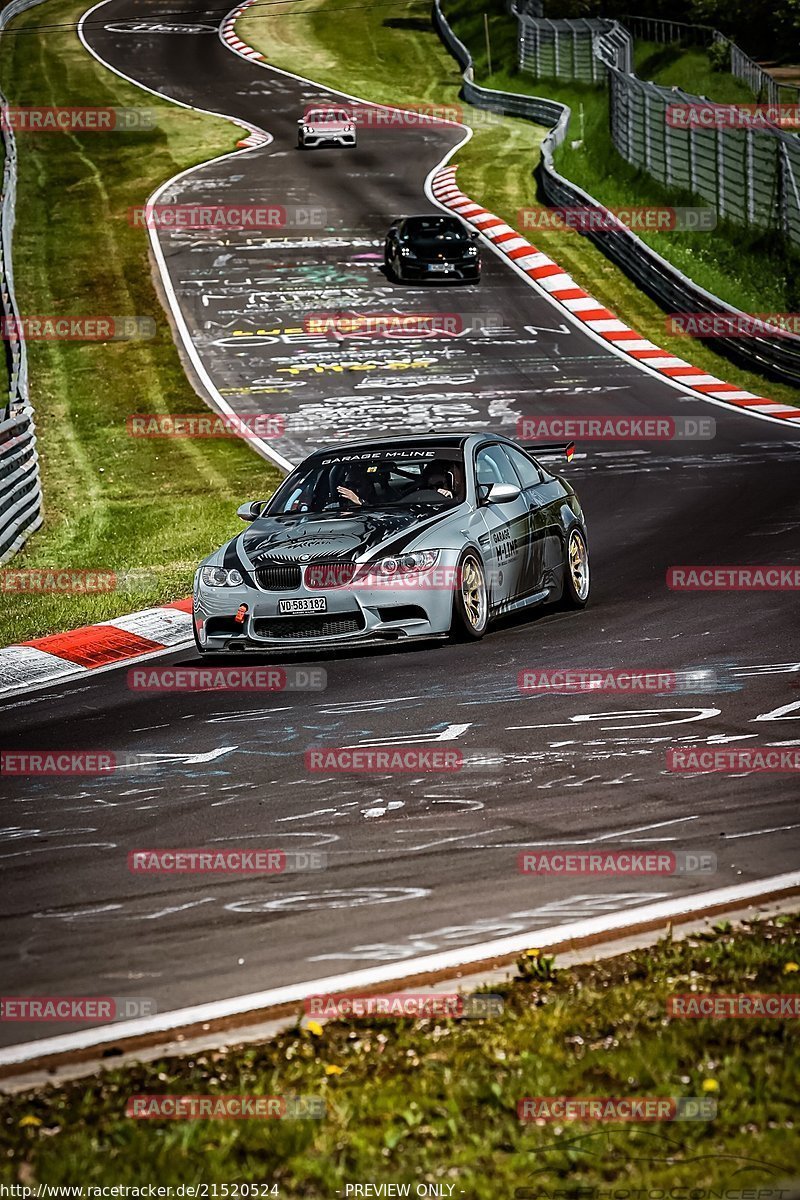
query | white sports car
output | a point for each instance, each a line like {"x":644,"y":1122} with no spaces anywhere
{"x":326,"y":127}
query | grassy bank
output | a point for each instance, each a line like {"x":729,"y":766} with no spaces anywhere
{"x":689,"y":68}
{"x":496,"y":166}
{"x":112,"y":502}
{"x":435,"y":1100}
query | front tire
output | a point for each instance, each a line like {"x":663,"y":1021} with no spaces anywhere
{"x":577,"y":580}
{"x":471,"y":599}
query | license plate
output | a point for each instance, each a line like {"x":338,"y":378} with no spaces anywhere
{"x":438,"y":267}
{"x":312,"y":605}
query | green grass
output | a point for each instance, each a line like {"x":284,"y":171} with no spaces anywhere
{"x":112,"y":502}
{"x":435,"y":1100}
{"x":496,"y":167}
{"x":689,"y":68}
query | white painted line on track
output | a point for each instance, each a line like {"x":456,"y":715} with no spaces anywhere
{"x":598,"y":928}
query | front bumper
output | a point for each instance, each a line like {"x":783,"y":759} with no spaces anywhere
{"x":354,"y":615}
{"x":312,"y":140}
{"x":464,"y":269}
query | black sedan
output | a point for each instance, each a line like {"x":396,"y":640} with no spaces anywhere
{"x":432,"y":247}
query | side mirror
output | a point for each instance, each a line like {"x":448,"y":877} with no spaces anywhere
{"x":251,"y":510}
{"x":301,"y":120}
{"x":503,"y":493}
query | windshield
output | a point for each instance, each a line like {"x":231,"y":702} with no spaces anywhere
{"x":434,"y":227}
{"x":374,"y":479}
{"x":319,"y":116}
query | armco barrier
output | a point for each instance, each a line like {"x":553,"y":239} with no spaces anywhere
{"x":20,"y":486}
{"x":778,"y":358}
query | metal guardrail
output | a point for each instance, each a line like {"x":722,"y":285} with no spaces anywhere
{"x":20,"y":485}
{"x":561,"y":49}
{"x":669,"y":287}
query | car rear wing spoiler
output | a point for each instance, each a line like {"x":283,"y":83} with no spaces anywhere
{"x":550,"y":449}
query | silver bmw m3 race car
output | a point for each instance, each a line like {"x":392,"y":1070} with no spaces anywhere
{"x":393,"y":539}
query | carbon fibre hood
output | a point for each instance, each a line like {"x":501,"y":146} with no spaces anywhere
{"x":308,"y":537}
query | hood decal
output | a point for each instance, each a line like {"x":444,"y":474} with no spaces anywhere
{"x":312,"y":537}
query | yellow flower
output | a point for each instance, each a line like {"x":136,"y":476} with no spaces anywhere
{"x":710,"y":1085}
{"x":29,"y":1120}
{"x":790,"y":967}
{"x":314,"y":1027}
{"x":533,"y":953}
{"x":331,"y":1069}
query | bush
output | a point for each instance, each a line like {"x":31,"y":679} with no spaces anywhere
{"x":719,"y":55}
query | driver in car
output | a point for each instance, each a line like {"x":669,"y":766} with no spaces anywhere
{"x":356,"y":487}
{"x":445,"y":478}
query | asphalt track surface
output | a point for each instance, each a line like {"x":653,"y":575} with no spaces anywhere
{"x":423,"y":862}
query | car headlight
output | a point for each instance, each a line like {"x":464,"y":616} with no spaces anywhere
{"x":220,"y":577}
{"x":422,"y":560}
{"x":472,"y":250}
{"x":406,"y":252}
